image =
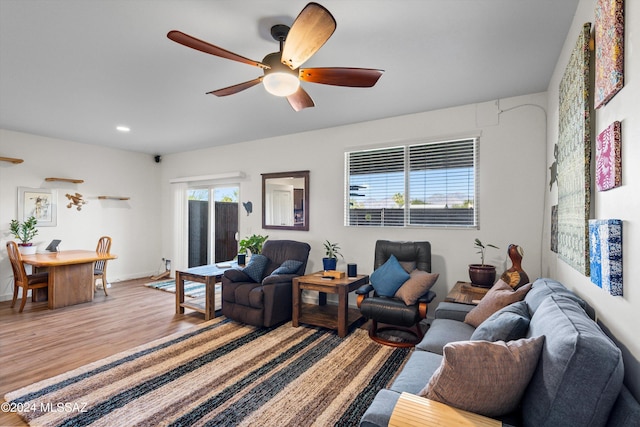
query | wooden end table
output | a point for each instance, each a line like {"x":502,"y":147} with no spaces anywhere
{"x":466,"y":293}
{"x":338,"y":317}
{"x":207,"y":274}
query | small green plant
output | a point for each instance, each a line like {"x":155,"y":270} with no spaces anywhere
{"x":25,"y":231}
{"x":252,"y":243}
{"x":331,"y":250}
{"x":482,"y":248}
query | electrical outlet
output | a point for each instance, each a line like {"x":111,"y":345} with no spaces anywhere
{"x":167,"y":264}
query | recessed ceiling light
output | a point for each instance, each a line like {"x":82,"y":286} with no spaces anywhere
{"x":123,"y":129}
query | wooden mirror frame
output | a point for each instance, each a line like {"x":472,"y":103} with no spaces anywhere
{"x":305,"y":200}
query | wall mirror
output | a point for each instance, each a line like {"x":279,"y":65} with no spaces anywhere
{"x":285,"y":200}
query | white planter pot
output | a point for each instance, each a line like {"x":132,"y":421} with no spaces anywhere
{"x":27,"y":250}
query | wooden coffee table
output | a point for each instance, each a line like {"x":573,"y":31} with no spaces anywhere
{"x":338,"y":317}
{"x":466,"y":293}
{"x":207,"y":274}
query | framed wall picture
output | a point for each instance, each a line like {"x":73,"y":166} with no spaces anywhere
{"x":41,"y":203}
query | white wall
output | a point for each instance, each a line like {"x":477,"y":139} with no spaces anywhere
{"x":512,"y":182}
{"x":620,"y":314}
{"x":134,"y":225}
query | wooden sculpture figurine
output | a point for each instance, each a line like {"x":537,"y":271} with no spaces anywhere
{"x":76,"y":200}
{"x":515,"y":276}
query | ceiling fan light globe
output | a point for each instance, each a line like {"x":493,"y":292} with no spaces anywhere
{"x":281,"y":84}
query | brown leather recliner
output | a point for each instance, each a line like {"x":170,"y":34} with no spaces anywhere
{"x":268,"y":302}
{"x":393,"y":312}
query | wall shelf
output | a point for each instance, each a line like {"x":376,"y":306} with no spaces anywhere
{"x":11,"y":160}
{"x":113,"y":198}
{"x":74,"y":181}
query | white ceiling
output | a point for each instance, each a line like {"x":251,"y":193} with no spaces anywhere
{"x":75,"y":69}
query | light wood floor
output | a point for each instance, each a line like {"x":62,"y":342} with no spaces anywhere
{"x":40,"y":343}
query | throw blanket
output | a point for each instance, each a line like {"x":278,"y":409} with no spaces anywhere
{"x":221,"y":373}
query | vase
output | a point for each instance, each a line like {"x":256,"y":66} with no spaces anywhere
{"x":27,"y":248}
{"x":329,"y":263}
{"x":515,"y":276}
{"x":482,"y":275}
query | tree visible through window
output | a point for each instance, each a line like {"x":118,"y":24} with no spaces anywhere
{"x":425,"y":184}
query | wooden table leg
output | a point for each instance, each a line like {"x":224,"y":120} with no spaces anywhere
{"x":70,"y":284}
{"x":210,"y":298}
{"x":296,"y":303}
{"x":343,"y":298}
{"x":179,"y":293}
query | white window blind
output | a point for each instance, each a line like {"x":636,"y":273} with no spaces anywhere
{"x":426,"y":184}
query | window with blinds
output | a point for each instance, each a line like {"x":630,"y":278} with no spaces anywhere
{"x":426,"y":184}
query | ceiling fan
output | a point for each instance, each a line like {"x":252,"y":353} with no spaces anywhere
{"x":282,"y":73}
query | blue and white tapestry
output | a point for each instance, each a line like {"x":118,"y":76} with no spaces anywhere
{"x":605,"y":236}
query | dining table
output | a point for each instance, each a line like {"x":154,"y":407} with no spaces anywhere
{"x":70,"y":274}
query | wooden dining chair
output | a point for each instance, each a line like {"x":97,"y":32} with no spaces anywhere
{"x":100,"y":267}
{"x":20,"y":277}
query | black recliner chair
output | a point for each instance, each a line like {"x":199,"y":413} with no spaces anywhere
{"x":391,"y":311}
{"x":269,"y":301}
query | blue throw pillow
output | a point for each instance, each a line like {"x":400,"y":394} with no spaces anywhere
{"x":290,"y":266}
{"x":388,"y":278}
{"x":508,"y":324}
{"x":256,"y":267}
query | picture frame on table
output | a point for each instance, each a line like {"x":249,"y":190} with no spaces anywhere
{"x":42,"y":203}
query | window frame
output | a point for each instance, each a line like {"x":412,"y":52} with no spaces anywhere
{"x":469,"y":155}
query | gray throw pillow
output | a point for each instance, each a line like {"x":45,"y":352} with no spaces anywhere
{"x":256,"y":267}
{"x":290,"y":266}
{"x":508,"y":324}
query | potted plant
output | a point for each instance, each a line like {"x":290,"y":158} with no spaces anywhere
{"x":331,"y":250}
{"x":252,"y":244}
{"x":482,"y":274}
{"x":25,"y":232}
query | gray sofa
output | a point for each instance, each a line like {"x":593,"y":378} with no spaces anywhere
{"x":578,"y":380}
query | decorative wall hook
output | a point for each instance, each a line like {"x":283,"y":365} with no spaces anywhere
{"x":248,"y":206}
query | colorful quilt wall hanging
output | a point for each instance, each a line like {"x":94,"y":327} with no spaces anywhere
{"x":574,"y":158}
{"x":605,"y":237}
{"x":609,"y":158}
{"x":609,"y":50}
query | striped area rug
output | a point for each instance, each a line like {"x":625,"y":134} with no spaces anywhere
{"x":221,"y":373}
{"x":191,"y":289}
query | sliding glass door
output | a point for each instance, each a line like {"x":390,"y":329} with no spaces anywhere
{"x":213,"y":224}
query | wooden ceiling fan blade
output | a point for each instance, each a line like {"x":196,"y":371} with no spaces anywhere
{"x":311,"y":29}
{"x":300,"y":100}
{"x":338,"y":76}
{"x":202,"y":46}
{"x":236,"y":88}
